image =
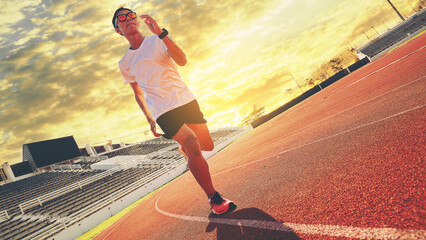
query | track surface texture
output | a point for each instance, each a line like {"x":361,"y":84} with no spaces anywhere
{"x":346,"y":163}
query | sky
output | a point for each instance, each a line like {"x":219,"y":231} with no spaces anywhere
{"x":59,"y":71}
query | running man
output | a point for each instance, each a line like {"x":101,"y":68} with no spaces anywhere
{"x":149,"y":67}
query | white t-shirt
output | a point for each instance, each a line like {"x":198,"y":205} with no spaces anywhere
{"x":157,"y":75}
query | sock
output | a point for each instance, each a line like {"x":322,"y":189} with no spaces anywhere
{"x":217,"y":198}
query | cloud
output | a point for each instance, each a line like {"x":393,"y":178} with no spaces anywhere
{"x":12,"y":12}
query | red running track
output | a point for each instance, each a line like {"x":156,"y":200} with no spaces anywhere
{"x":346,"y":163}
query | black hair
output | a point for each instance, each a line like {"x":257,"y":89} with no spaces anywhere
{"x":115,"y":15}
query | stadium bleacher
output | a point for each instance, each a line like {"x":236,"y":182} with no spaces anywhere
{"x":14,"y":193}
{"x":411,"y":25}
{"x":140,"y":149}
{"x":88,"y":194}
{"x":87,"y":161}
{"x":160,"y":154}
{"x":18,"y":228}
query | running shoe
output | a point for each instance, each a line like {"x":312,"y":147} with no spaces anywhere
{"x":221,"y":205}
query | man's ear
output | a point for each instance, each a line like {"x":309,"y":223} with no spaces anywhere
{"x":117,"y":30}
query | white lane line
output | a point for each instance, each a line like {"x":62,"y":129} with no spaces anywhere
{"x":319,"y":140}
{"x":319,"y":229}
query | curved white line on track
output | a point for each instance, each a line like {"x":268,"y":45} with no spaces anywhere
{"x":319,"y":229}
{"x":329,"y":230}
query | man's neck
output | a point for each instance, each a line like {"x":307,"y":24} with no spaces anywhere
{"x":135,"y":40}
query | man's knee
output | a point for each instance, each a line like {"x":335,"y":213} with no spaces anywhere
{"x":192,"y":147}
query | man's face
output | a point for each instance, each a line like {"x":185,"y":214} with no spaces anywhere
{"x":128,"y":25}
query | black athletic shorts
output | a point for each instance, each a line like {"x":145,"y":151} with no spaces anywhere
{"x":171,"y":121}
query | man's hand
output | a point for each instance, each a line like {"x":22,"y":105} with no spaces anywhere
{"x":152,"y":24}
{"x":152,"y":123}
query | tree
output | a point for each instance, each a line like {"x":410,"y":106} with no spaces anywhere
{"x":336,"y":64}
{"x":311,"y":81}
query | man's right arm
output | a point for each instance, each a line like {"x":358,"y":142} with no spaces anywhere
{"x":140,"y":99}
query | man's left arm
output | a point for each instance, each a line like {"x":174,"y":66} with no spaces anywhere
{"x":172,"y":49}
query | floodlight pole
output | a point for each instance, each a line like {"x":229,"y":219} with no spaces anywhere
{"x":296,"y":81}
{"x":394,"y":8}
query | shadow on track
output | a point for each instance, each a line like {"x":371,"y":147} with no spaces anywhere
{"x":241,"y":222}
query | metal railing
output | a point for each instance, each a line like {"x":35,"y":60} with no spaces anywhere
{"x":51,"y":195}
{"x":79,"y":215}
{"x":4,"y":216}
{"x":66,"y":167}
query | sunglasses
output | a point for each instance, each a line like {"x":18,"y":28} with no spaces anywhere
{"x":123,"y":17}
